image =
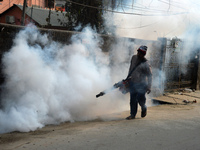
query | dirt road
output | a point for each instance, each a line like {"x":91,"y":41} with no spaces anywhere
{"x":166,"y":127}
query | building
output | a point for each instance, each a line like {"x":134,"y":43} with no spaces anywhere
{"x":38,"y":16}
{"x":60,"y":5}
{"x":6,"y":4}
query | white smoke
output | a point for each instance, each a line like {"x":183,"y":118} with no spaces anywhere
{"x":151,"y":19}
{"x":50,"y":83}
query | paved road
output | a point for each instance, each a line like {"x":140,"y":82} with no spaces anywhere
{"x":166,"y":127}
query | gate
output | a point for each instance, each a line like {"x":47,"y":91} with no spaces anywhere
{"x":178,"y":73}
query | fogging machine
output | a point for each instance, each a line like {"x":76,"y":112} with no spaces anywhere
{"x":122,"y":85}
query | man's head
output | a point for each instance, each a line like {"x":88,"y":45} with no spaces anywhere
{"x":142,"y":51}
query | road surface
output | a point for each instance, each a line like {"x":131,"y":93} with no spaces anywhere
{"x":165,"y":127}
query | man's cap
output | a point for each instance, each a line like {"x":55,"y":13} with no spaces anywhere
{"x":143,"y":49}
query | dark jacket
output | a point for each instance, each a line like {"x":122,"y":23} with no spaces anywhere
{"x":142,"y":73}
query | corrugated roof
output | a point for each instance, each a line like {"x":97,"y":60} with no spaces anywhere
{"x":40,"y":16}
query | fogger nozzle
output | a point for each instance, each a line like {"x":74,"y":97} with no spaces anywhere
{"x":100,"y":94}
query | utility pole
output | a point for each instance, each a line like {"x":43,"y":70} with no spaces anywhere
{"x":23,"y":13}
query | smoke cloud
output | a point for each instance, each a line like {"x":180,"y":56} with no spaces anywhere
{"x":50,"y":83}
{"x":151,"y":19}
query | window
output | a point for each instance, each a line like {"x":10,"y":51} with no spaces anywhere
{"x":10,"y":19}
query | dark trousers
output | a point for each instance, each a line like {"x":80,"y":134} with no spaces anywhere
{"x":137,"y":95}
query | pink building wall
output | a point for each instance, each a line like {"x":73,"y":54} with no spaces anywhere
{"x":9,"y":3}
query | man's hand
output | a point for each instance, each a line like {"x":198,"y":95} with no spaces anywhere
{"x":148,"y":90}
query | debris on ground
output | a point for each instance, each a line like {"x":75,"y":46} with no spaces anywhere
{"x":181,"y":96}
{"x":186,"y":101}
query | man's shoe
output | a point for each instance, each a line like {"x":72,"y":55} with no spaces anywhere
{"x":144,"y":113}
{"x":130,"y":117}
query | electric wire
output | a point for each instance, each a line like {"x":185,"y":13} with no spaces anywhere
{"x":136,"y":8}
{"x":122,"y":12}
{"x":142,"y":8}
{"x":138,"y":26}
{"x":177,"y":6}
{"x":169,"y":5}
{"x":175,"y":28}
{"x":127,"y":13}
{"x":150,"y":3}
{"x":171,"y":2}
{"x":174,"y":2}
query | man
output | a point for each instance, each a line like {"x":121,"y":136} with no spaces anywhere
{"x":140,"y":82}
